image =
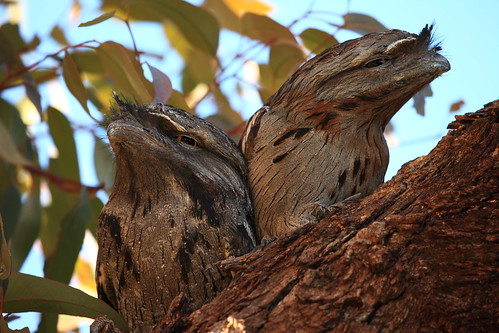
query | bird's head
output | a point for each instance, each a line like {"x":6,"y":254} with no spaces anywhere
{"x":169,"y":138}
{"x":368,"y":77}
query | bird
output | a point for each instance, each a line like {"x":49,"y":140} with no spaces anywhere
{"x":319,"y":139}
{"x":178,"y":207}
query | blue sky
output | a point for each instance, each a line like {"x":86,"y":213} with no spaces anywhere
{"x":467,"y":30}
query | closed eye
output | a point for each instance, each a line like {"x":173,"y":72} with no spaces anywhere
{"x":187,"y":140}
{"x":376,"y":62}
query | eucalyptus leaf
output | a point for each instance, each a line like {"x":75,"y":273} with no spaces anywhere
{"x":28,"y":293}
{"x":27,"y":228}
{"x":72,"y":77}
{"x":419,"y":99}
{"x":59,"y":264}
{"x":362,"y":24}
{"x":32,"y":92}
{"x":317,"y":40}
{"x":266,"y":30}
{"x":198,"y":26}
{"x":104,"y":163}
{"x":5,"y":257}
{"x":9,"y":152}
{"x":125,"y":71}
{"x":162,"y":85}
{"x":62,"y":134}
{"x":98,"y":20}
{"x":58,"y":34}
{"x":285,"y":59}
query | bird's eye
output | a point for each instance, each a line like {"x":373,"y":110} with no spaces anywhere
{"x":376,"y":63}
{"x":187,"y":140}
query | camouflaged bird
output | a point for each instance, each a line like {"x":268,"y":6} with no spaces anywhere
{"x":179,"y":205}
{"x":319,"y":139}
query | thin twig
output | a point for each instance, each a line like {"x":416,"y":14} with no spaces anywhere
{"x":36,"y":64}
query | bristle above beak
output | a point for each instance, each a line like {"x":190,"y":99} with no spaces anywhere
{"x":425,"y":39}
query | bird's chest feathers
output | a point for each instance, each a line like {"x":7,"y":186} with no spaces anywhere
{"x":356,"y":160}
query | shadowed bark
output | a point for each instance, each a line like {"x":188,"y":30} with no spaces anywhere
{"x":418,"y":255}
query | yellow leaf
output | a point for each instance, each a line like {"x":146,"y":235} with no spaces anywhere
{"x":456,"y":106}
{"x":84,"y":271}
{"x":240,"y":7}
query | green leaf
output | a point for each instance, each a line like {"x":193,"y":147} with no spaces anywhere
{"x":225,"y":16}
{"x":59,"y":264}
{"x":28,"y":293}
{"x":62,"y":134}
{"x":53,"y":215}
{"x":5,"y":266}
{"x":198,"y":26}
{"x":362,"y":24}
{"x":104,"y":163}
{"x":5,"y":258}
{"x":177,"y":40}
{"x":27,"y":228}
{"x":268,"y":83}
{"x":44,"y":75}
{"x":224,"y":107}
{"x":72,"y":77}
{"x":48,"y":323}
{"x":9,"y":152}
{"x":96,"y":206}
{"x":317,"y":40}
{"x":88,"y":61}
{"x":11,"y":44}
{"x":199,"y":67}
{"x":97,"y":20}
{"x":284,"y":60}
{"x":32,"y":92}
{"x":125,"y":71}
{"x":4,"y":327}
{"x":10,"y":206}
{"x":178,"y":100}
{"x":266,"y":30}
{"x":58,"y":34}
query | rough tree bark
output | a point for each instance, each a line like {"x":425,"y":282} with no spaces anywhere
{"x":418,"y":255}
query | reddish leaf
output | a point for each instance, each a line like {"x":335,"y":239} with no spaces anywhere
{"x":162,"y":85}
{"x":456,"y":106}
{"x":419,"y":99}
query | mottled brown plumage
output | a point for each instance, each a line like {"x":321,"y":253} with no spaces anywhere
{"x":179,"y":205}
{"x":319,"y":139}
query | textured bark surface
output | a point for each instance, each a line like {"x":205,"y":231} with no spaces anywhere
{"x":418,"y":255}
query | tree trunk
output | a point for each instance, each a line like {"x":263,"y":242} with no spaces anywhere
{"x":418,"y":255}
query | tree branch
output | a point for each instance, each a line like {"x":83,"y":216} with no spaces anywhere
{"x":419,"y":254}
